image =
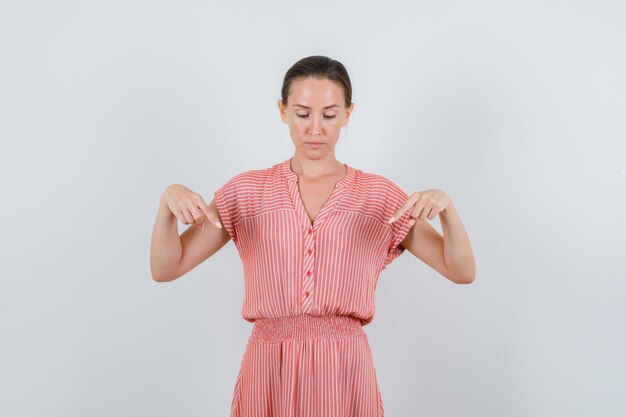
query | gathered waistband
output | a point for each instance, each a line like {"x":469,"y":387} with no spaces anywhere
{"x":306,"y":326}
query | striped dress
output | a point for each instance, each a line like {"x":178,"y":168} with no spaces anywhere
{"x":309,"y":290}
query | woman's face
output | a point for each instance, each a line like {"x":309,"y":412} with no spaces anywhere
{"x":315,"y":113}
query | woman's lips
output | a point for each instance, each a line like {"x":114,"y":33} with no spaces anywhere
{"x":314,"y":145}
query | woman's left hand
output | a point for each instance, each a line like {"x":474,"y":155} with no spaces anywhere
{"x":424,"y":205}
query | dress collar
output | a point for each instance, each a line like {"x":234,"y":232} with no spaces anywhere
{"x":289,"y":175}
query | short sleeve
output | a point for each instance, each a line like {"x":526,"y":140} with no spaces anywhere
{"x":227,"y":205}
{"x":399,"y":228}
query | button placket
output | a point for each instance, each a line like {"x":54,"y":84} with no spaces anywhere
{"x":309,"y":255}
{"x":310,"y":229}
{"x":308,"y":280}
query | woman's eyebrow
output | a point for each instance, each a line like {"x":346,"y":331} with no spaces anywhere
{"x":307,"y":107}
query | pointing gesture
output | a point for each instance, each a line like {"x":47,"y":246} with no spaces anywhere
{"x":188,"y":206}
{"x":423,"y":205}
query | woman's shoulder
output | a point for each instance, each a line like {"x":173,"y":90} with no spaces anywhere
{"x":377,"y":182}
{"x":252,"y":178}
{"x":375,"y":195}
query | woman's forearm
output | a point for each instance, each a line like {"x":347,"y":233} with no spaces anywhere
{"x":457,"y":250}
{"x":165,"y":248}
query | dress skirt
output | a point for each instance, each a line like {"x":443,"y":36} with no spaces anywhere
{"x":307,"y":366}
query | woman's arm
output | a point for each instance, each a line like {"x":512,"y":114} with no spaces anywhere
{"x":165,"y":246}
{"x":457,"y":251}
{"x":451,"y":254}
{"x":171,"y":255}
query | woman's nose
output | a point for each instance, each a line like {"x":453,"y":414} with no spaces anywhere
{"x":315,"y":126}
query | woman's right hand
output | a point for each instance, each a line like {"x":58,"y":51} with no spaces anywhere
{"x":188,"y":206}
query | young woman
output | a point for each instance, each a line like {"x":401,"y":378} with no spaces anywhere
{"x":313,"y":235}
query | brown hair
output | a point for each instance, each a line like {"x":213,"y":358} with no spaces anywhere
{"x":318,"y":66}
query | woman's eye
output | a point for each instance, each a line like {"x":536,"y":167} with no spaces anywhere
{"x":306,"y":115}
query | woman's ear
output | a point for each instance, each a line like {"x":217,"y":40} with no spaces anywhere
{"x":348,"y":113}
{"x":281,"y":110}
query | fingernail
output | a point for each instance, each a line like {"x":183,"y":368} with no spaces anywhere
{"x":218,"y":224}
{"x":390,"y":220}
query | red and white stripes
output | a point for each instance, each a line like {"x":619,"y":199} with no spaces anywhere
{"x":309,"y":289}
{"x":307,"y":366}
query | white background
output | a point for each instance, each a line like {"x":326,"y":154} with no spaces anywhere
{"x":514,"y":108}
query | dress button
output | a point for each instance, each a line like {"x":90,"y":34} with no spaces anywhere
{"x":306,"y":294}
{"x":310,"y":231}
{"x":309,"y":251}
{"x":308,"y":272}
